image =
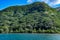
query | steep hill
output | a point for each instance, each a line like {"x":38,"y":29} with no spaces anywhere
{"x":37,"y":17}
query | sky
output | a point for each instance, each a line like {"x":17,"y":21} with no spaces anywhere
{"x":6,"y":3}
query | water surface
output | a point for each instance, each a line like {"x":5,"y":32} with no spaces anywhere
{"x":29,"y":36}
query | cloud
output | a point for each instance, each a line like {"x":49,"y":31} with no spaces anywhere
{"x":57,"y":2}
{"x":49,"y":2}
{"x":46,"y":1}
{"x":29,"y":1}
{"x":52,"y":2}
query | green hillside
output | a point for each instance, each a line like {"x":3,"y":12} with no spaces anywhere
{"x":37,"y":17}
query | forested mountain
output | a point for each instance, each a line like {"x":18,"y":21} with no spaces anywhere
{"x":37,"y":17}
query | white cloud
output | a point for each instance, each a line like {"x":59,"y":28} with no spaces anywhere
{"x":54,"y":2}
{"x":57,"y":2}
{"x":46,"y":1}
{"x":29,"y":1}
{"x":50,"y":2}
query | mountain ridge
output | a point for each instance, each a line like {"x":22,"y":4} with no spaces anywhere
{"x":26,"y":5}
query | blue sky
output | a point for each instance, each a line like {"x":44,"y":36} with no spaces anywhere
{"x":7,"y":3}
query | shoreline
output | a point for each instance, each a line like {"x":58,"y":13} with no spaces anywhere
{"x":29,"y":33}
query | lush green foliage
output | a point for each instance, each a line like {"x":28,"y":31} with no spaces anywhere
{"x":34,"y":18}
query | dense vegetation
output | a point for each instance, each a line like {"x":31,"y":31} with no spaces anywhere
{"x":34,"y":18}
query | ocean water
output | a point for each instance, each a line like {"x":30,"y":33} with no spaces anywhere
{"x":27,"y":36}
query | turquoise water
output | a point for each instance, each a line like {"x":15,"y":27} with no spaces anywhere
{"x":29,"y":36}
